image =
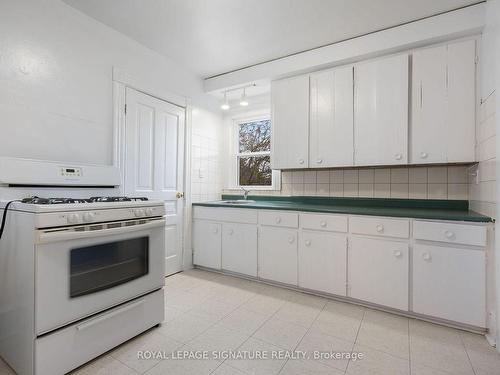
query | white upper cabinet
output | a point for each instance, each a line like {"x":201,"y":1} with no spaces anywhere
{"x":331,"y":118}
{"x":381,"y":111}
{"x":290,"y":123}
{"x":443,"y":104}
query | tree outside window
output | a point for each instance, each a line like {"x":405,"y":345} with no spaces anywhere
{"x":254,"y":153}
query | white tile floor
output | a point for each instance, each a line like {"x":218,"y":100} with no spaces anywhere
{"x":208,"y":311}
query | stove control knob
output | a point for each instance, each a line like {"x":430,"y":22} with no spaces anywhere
{"x":139,"y":212}
{"x":88,"y":216}
{"x":73,"y":218}
{"x":149,"y":212}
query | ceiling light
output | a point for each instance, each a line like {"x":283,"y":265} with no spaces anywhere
{"x":244,"y":100}
{"x":225,"y":105}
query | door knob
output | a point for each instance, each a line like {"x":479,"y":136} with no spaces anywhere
{"x":449,"y":234}
{"x":301,"y":161}
{"x":308,"y":243}
{"x":426,"y":256}
{"x":291,"y":239}
{"x":398,"y":253}
{"x":179,"y":195}
{"x":379,"y":228}
{"x":423,"y":155}
{"x":319,"y":161}
{"x":322,"y":223}
{"x":398,"y":156}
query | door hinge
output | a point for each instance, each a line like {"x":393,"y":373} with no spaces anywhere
{"x":125,"y":110}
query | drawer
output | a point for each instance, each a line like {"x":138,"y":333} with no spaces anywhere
{"x":279,"y":219}
{"x":465,"y":234}
{"x":380,"y":226}
{"x":234,"y":215}
{"x":60,"y":352}
{"x":333,"y":223}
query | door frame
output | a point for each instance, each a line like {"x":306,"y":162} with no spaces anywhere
{"x":121,"y":80}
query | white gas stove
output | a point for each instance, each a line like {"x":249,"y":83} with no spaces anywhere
{"x":77,"y":278}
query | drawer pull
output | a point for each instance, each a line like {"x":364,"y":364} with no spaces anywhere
{"x":110,"y":315}
{"x":308,"y":243}
{"x":323,"y":223}
{"x":379,"y":228}
{"x":449,"y":234}
{"x":230,"y":231}
{"x":426,"y":256}
{"x":423,"y":155}
{"x":301,"y":161}
{"x":291,"y":240}
{"x":278,"y":220}
{"x":398,"y":156}
{"x":398,"y":253}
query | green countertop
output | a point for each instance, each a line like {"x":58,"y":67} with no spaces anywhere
{"x":457,"y":210}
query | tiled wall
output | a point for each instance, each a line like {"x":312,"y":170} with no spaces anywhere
{"x":206,"y":158}
{"x":483,"y":191}
{"x":443,"y":182}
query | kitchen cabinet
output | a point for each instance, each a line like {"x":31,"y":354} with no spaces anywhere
{"x":239,"y":248}
{"x":322,"y":262}
{"x":331,"y":118}
{"x":449,"y":283}
{"x":278,"y":254}
{"x":207,"y":244}
{"x":378,"y":271}
{"x":290,"y":123}
{"x":443,"y":103}
{"x":381,"y":111}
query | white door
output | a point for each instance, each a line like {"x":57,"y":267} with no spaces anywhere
{"x":381,"y":111}
{"x":278,"y":254}
{"x":323,"y":262}
{"x":378,"y":271}
{"x":449,"y":283}
{"x":429,"y":123}
{"x":461,"y":85}
{"x":239,"y":248}
{"x":290,"y":123}
{"x":331,"y":118}
{"x":207,"y":241}
{"x":154,"y":163}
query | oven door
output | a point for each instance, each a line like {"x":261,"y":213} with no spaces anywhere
{"x":83,"y":270}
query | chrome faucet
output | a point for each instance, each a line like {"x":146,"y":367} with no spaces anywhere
{"x":245,"y":193}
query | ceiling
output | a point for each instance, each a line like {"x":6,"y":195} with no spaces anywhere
{"x":212,"y":37}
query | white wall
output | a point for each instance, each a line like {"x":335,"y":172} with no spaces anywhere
{"x":56,"y":81}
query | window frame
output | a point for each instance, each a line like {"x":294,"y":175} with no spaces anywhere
{"x":275,"y":174}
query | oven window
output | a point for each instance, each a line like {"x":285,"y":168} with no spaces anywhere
{"x":103,"y":266}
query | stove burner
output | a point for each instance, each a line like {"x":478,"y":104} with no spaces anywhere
{"x":38,"y":200}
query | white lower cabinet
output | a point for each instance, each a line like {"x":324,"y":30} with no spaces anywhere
{"x":449,"y":283}
{"x":239,"y":248}
{"x":378,"y":271}
{"x":207,"y":243}
{"x":278,"y":254}
{"x":322,"y":262}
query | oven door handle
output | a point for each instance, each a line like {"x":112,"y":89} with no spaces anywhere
{"x":102,"y":318}
{"x":55,"y":236}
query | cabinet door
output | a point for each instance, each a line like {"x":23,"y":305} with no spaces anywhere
{"x":331,"y":118}
{"x":461,"y":101}
{"x":207,"y":241}
{"x":323,"y":262}
{"x":278,"y":254}
{"x":449,"y":283}
{"x":239,"y":248}
{"x":428,"y":129}
{"x":378,"y":272}
{"x":381,"y":111}
{"x":290,"y":123}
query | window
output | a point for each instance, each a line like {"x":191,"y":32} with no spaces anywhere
{"x":253,"y":153}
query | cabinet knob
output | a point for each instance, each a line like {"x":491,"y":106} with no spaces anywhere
{"x":323,"y":223}
{"x":398,"y":253}
{"x":308,"y":243}
{"x":230,"y":231}
{"x":423,"y":155}
{"x":278,"y":220}
{"x":398,"y":156}
{"x":215,"y":230}
{"x":291,"y":239}
{"x":319,"y":161}
{"x":449,"y":234}
{"x":379,"y":228}
{"x":426,"y":256}
{"x":301,"y":161}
